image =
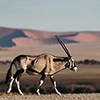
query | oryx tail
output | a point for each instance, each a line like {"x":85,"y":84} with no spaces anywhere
{"x":9,"y":73}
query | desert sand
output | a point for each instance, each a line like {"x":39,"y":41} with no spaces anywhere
{"x":92,"y":96}
{"x":80,"y":51}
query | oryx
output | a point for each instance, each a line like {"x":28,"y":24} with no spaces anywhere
{"x":44,"y":64}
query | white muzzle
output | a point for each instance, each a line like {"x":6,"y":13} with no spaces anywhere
{"x":75,"y":69}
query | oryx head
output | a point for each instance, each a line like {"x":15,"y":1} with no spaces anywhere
{"x":72,"y":64}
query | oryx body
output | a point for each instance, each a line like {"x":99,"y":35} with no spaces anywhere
{"x":44,"y":64}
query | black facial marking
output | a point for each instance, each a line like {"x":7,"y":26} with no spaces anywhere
{"x":67,"y":64}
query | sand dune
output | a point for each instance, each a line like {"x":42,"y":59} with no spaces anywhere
{"x":10,"y":37}
{"x":85,"y":37}
{"x":37,"y":38}
{"x":26,"y":42}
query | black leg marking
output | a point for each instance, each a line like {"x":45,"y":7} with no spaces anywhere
{"x":18,"y":73}
{"x":40,"y":84}
{"x":19,"y":77}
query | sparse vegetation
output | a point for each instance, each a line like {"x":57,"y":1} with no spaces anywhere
{"x":5,"y":62}
{"x":87,"y":61}
{"x":31,"y":89}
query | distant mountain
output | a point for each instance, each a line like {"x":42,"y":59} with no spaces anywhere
{"x":10,"y":37}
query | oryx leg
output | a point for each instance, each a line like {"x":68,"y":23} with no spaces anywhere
{"x":40,"y":84}
{"x":15,"y":76}
{"x":10,"y":85}
{"x":54,"y":83}
{"x":18,"y":84}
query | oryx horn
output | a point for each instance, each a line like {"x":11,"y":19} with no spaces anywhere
{"x":63,"y":45}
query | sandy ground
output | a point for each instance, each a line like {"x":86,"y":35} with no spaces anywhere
{"x":92,"y":96}
{"x":80,"y":51}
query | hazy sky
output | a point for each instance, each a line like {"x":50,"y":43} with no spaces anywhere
{"x":51,"y":15}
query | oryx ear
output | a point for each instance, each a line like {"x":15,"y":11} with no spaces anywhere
{"x":63,"y":46}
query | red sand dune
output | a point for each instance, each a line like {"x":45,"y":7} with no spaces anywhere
{"x":25,"y":42}
{"x":25,"y":37}
{"x":85,"y":37}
